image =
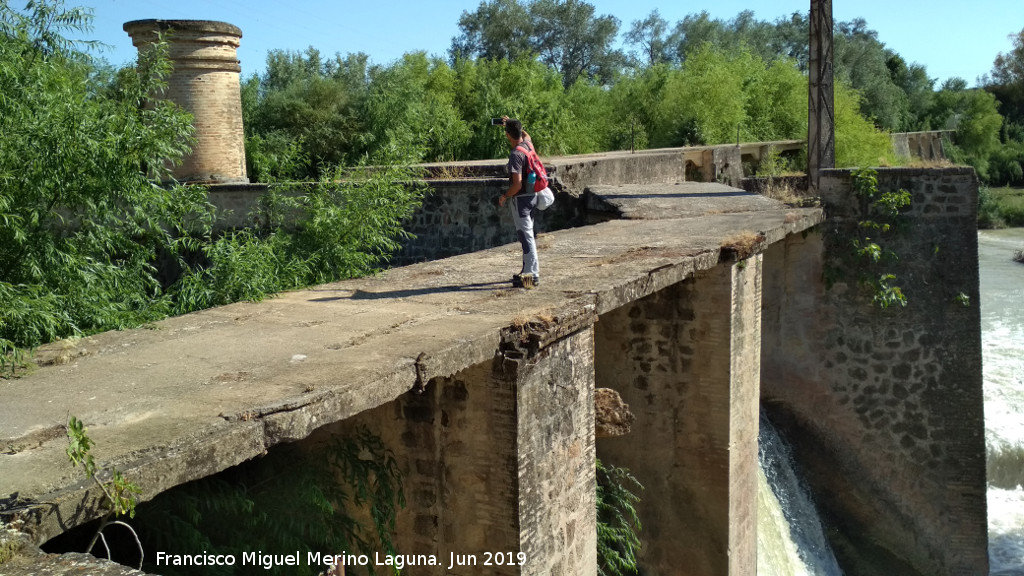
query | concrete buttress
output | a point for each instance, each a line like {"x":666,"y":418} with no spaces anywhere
{"x":686,"y":359}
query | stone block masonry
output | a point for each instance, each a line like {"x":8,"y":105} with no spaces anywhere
{"x":686,"y":360}
{"x":884,"y":408}
{"x":498,"y":459}
{"x":463,"y":216}
{"x":205,"y":81}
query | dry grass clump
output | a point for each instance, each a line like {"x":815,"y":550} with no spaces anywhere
{"x":936,"y":163}
{"x":449,"y":172}
{"x":782,"y":190}
{"x":742,"y":245}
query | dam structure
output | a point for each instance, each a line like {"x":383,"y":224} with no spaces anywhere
{"x":700,"y":304}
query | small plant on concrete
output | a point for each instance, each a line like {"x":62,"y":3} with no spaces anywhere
{"x":881,"y":210}
{"x":618,"y":524}
{"x":118,"y":492}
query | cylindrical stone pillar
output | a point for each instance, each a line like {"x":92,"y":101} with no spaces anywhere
{"x":205,"y":81}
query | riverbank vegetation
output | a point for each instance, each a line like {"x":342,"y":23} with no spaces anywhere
{"x":1001,"y":207}
{"x":89,"y":238}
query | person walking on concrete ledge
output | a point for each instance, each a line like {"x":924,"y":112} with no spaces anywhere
{"x":523,"y":201}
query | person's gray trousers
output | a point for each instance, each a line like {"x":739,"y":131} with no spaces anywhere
{"x":524,"y":211}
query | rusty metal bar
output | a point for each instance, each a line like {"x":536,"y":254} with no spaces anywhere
{"x":821,"y":142}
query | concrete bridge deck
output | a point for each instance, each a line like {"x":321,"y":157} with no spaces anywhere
{"x":193,"y":395}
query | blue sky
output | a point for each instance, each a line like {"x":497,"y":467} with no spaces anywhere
{"x":949,"y":37}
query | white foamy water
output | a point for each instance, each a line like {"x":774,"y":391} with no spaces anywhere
{"x":1002,"y":335}
{"x":790,"y":537}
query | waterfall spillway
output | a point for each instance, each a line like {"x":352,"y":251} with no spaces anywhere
{"x":790,"y":537}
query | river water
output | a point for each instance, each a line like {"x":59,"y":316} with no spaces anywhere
{"x":1002,"y":337}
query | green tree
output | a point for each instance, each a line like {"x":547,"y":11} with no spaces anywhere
{"x":695,"y":30}
{"x":411,"y":108}
{"x":82,"y":222}
{"x":635,"y":100}
{"x":973,"y":114}
{"x":1006,"y":83}
{"x":570,"y":38}
{"x":525,"y":89}
{"x":787,"y":37}
{"x":718,"y":95}
{"x":704,"y":101}
{"x":776,"y":106}
{"x":498,"y":29}
{"x":920,"y":90}
{"x":304,"y":114}
{"x":1006,"y":80}
{"x":861,"y":61}
{"x":649,"y":36}
{"x":859,"y":142}
{"x":565,"y":34}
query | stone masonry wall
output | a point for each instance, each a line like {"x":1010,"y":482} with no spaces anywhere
{"x":686,"y":360}
{"x":498,"y":458}
{"x":884,"y":408}
{"x":456,"y":217}
{"x":463,"y":216}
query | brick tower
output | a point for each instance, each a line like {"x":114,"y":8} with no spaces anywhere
{"x":205,"y":81}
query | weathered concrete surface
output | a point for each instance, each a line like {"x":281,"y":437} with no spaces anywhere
{"x":687,"y":359}
{"x":498,"y":457}
{"x":676,"y":200}
{"x":193,"y":395}
{"x":922,"y":145}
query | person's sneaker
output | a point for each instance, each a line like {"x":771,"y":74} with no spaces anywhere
{"x":524,"y":281}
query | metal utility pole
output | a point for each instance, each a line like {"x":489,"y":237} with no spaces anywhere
{"x":821,"y":136}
